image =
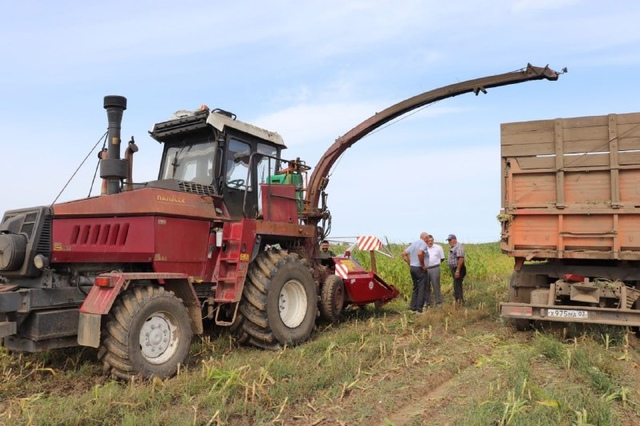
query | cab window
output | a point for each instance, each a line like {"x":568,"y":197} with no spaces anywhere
{"x":237,"y":173}
{"x":192,"y":163}
{"x":266,"y":166}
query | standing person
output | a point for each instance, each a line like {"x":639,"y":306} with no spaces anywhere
{"x":435,"y":258}
{"x":325,"y":253}
{"x":455,"y":260}
{"x":414,"y":256}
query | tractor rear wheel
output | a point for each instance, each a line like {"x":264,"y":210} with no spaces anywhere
{"x":279,"y":303}
{"x":148,"y":333}
{"x":333,"y":298}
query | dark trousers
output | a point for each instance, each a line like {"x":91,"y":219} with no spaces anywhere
{"x":417,"y":296}
{"x":457,"y":284}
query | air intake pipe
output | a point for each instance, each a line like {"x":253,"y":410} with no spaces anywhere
{"x":112,"y":168}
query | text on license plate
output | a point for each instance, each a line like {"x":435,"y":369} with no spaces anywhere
{"x":566,"y":313}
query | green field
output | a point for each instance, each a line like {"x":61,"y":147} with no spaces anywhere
{"x":379,"y":366}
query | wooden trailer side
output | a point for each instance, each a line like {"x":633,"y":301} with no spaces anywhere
{"x":571,"y":188}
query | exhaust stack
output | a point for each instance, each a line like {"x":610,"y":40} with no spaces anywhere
{"x":112,"y":168}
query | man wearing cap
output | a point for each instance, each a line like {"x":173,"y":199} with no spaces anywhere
{"x":414,"y":256}
{"x":455,"y":260}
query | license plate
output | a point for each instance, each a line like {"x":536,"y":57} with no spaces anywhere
{"x":566,"y":313}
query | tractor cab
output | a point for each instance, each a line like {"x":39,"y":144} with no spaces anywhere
{"x":212,"y":153}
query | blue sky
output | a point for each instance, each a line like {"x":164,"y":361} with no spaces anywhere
{"x":311,"y":71}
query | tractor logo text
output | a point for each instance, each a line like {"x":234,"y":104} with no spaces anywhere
{"x":175,"y":200}
{"x":159,"y":257}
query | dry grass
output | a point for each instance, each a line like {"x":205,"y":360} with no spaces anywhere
{"x":447,"y":366}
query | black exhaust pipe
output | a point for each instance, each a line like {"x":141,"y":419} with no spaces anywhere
{"x":112,"y":168}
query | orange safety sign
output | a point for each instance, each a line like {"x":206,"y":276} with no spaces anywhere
{"x":368,"y":243}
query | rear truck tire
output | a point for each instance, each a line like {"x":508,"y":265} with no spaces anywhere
{"x":333,"y":298}
{"x":515,"y":297}
{"x":147,"y":333}
{"x":279,"y":302}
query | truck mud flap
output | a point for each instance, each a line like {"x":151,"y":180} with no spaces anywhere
{"x":564,"y":313}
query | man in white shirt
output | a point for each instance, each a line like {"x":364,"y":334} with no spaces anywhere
{"x":436,"y":257}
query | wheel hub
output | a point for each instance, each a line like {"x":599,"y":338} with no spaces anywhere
{"x":292,"y":303}
{"x":158,"y":338}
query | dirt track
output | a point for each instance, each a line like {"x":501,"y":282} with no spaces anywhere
{"x":446,"y":378}
{"x":452,"y":370}
{"x":437,"y":399}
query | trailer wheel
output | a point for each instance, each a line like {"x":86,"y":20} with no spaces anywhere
{"x":333,"y":298}
{"x":516,"y":296}
{"x":148,"y":333}
{"x":279,"y":302}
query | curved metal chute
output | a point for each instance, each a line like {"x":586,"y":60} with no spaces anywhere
{"x":319,"y":178}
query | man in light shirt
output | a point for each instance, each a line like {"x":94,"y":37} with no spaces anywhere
{"x":416,"y":256}
{"x":435,"y":258}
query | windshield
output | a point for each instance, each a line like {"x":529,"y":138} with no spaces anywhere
{"x":266,"y":166}
{"x":237,"y":173}
{"x":239,"y":159}
{"x":193,"y":163}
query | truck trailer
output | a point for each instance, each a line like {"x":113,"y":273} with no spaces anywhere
{"x":570,"y":218}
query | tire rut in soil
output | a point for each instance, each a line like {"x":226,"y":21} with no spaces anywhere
{"x":435,"y":394}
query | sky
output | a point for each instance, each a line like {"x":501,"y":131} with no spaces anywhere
{"x":310,"y":71}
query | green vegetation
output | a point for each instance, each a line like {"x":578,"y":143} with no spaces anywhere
{"x":381,"y":366}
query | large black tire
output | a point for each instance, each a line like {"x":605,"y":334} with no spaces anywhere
{"x":333,"y":298}
{"x":148,"y":333}
{"x":519,"y":295}
{"x":279,"y":303}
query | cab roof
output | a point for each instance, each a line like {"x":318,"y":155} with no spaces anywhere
{"x":197,"y":122}
{"x":220,"y":121}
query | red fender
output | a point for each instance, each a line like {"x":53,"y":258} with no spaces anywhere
{"x":100,"y":300}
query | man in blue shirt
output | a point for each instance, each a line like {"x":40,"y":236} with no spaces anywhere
{"x":415,"y":256}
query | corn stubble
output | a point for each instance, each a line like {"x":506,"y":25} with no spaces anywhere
{"x":454,"y":365}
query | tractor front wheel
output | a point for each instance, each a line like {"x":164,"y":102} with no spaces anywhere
{"x":279,"y":303}
{"x":148,"y":333}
